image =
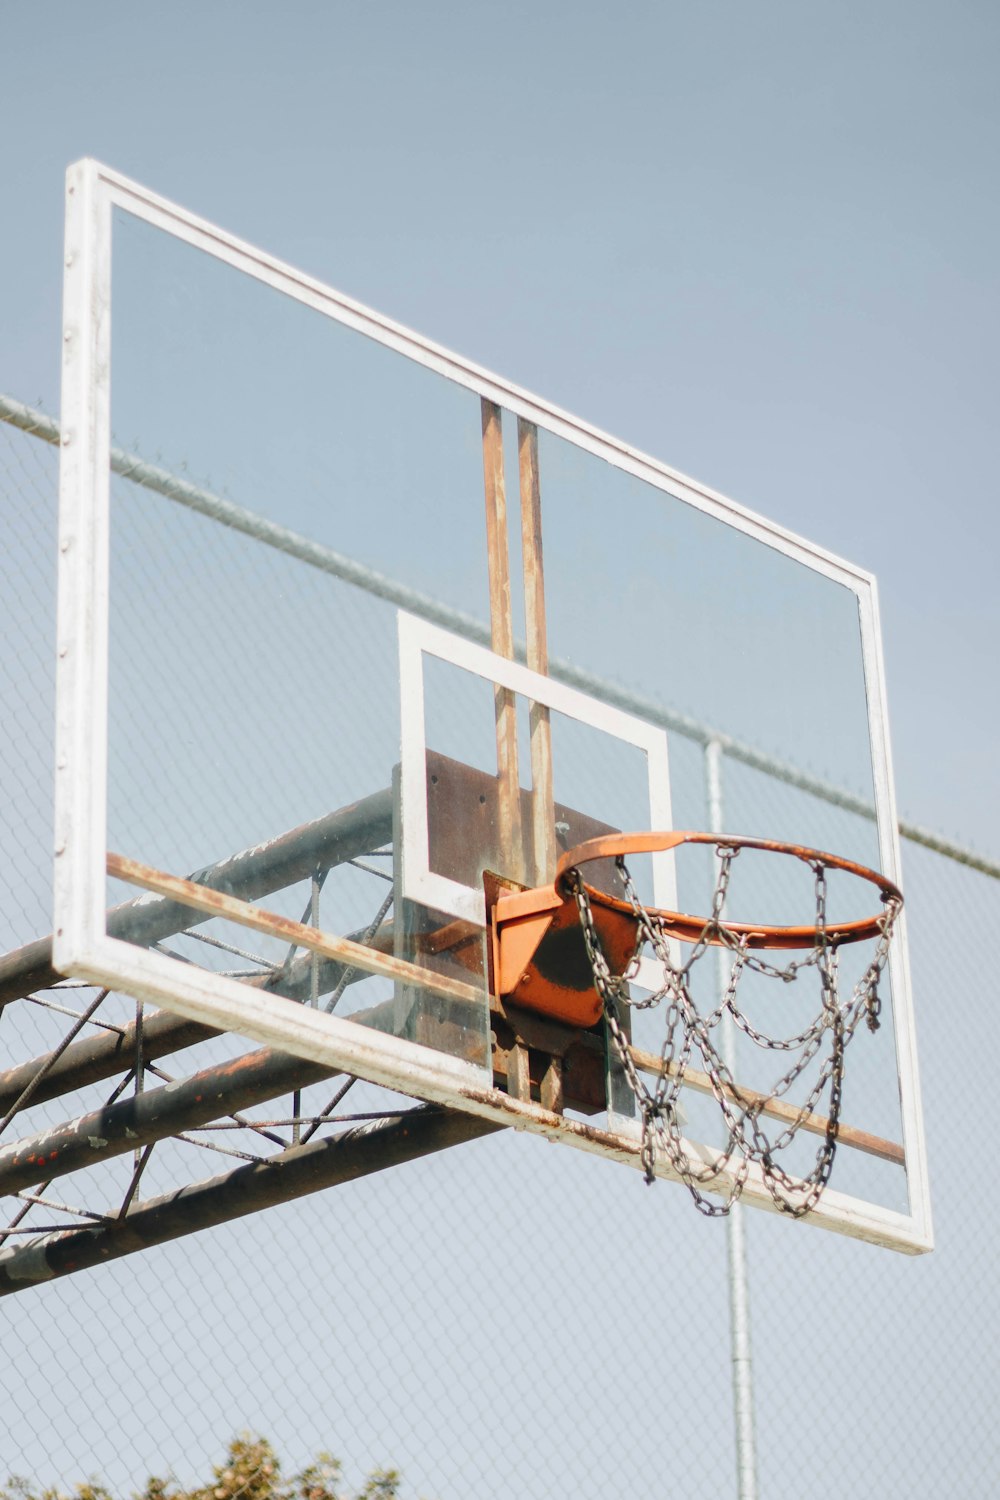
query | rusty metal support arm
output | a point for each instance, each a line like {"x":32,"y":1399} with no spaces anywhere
{"x":99,"y":1057}
{"x":153,"y":1115}
{"x":293,"y":856}
{"x":304,"y":1169}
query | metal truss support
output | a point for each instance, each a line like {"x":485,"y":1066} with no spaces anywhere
{"x":96,"y":1058}
{"x":99,"y":1057}
{"x":271,"y":866}
{"x":155,"y":1114}
{"x":353,"y":1153}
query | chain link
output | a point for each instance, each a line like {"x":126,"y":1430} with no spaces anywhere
{"x":688,"y":1035}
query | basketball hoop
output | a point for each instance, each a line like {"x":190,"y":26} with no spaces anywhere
{"x":615,"y":933}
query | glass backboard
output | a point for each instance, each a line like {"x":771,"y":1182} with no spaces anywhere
{"x":348,"y":624}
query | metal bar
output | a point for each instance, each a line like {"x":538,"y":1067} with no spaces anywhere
{"x":138,"y":1167}
{"x":314,"y":920}
{"x":269,"y":866}
{"x":217,"y":904}
{"x":30,"y":420}
{"x":378,"y":934}
{"x":37,"y":1200}
{"x":738,"y":1277}
{"x":139,"y":1067}
{"x":502,"y":640}
{"x":303,"y":1169}
{"x":101,"y":1057}
{"x":779,"y":1109}
{"x":203,"y":1145}
{"x":80,"y":805}
{"x":543,"y":840}
{"x":328,"y":1109}
{"x":22,"y":1212}
{"x":161,"y":481}
{"x":519,"y":1072}
{"x":74,"y":1015}
{"x":153,"y":1115}
{"x":511,"y":837}
{"x":31,"y":1085}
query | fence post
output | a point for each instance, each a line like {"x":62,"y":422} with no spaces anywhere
{"x":739,"y":1288}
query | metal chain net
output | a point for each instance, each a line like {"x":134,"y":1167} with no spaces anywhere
{"x":691,"y":1038}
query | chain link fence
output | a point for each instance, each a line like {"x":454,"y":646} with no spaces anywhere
{"x":500,"y":1317}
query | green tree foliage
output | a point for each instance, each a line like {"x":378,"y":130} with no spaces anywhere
{"x":251,"y":1471}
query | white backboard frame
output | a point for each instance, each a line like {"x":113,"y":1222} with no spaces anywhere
{"x":81,"y":945}
{"x":417,"y":639}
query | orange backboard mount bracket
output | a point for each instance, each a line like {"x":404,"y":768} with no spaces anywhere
{"x":537,"y":955}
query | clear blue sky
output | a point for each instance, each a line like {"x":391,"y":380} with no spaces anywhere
{"x":759,"y":242}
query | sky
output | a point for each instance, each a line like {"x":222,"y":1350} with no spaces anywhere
{"x":758,"y":243}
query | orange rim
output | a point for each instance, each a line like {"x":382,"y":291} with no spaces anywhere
{"x":691,"y":929}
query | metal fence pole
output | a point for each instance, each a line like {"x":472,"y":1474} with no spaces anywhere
{"x":739,"y":1287}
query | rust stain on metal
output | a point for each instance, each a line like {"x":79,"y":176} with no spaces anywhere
{"x":543,"y":832}
{"x":217,"y":904}
{"x":502,"y":637}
